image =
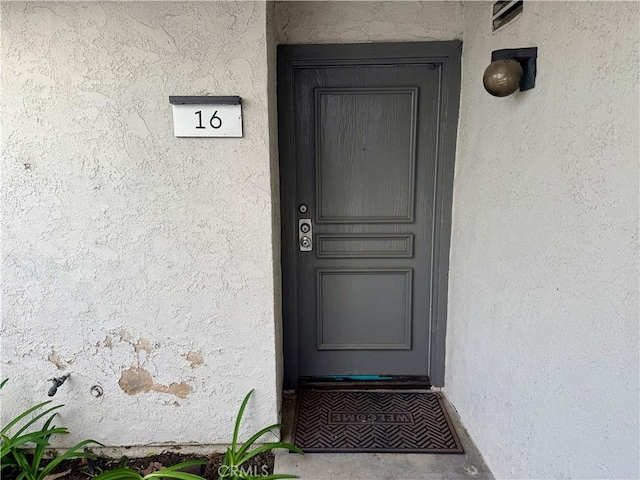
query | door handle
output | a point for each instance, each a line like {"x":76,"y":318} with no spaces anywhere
{"x":305,"y":235}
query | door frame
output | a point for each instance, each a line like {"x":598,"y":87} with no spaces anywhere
{"x":447,"y":56}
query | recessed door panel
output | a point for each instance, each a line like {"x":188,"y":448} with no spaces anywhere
{"x":365,"y":146}
{"x":392,"y":245}
{"x":364,"y":309}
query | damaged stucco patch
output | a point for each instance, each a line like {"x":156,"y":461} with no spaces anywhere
{"x":180,"y":390}
{"x":194,"y":357}
{"x":56,"y":360}
{"x":143,"y":344}
{"x":140,"y":345}
{"x":137,"y":380}
{"x":125,"y":336}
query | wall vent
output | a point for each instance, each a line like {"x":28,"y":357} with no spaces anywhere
{"x":504,"y":12}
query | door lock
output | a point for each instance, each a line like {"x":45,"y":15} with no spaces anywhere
{"x":305,"y":243}
{"x":305,"y":235}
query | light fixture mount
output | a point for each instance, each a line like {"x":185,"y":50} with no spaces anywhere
{"x":526,"y":57}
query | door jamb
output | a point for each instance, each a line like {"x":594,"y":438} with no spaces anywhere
{"x":446,"y":55}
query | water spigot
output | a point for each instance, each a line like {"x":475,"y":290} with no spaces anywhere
{"x":56,"y":383}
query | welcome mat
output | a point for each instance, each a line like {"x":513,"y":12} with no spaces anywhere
{"x":381,"y":422}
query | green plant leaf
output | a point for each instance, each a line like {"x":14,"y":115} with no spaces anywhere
{"x":12,"y":447}
{"x":172,"y":474}
{"x":119,"y":474}
{"x":36,"y":418}
{"x":169,"y":472}
{"x":236,"y":429}
{"x":234,"y":457}
{"x":23,"y":415}
{"x":3,"y":382}
{"x":180,"y":466}
{"x":38,"y":438}
{"x":23,"y":463}
{"x":267,"y":447}
{"x":227,"y":461}
{"x":33,"y":436}
{"x":73,"y":452}
{"x":7,"y":463}
{"x":39,"y":450}
{"x":255,"y":437}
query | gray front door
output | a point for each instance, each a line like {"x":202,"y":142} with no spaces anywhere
{"x":365,"y":154}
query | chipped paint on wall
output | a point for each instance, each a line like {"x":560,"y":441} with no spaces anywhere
{"x":137,"y":380}
{"x":124,"y":336}
{"x":195,"y":358}
{"x":56,"y":360}
{"x":143,"y":344}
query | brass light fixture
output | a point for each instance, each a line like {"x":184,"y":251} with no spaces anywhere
{"x":502,"y":77}
{"x":510,"y":70}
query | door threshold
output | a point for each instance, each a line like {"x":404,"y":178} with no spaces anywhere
{"x":364,"y":382}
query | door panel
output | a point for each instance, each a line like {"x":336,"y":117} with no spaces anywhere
{"x":391,"y":245}
{"x":365,"y":148}
{"x":364,"y":309}
{"x":367,"y":143}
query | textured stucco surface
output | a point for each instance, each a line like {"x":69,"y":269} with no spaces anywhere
{"x":363,"y":22}
{"x":130,"y":258}
{"x":543,"y":294}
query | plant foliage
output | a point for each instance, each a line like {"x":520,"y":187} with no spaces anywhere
{"x":13,"y":445}
{"x":236,"y":456}
{"x":128,"y":473}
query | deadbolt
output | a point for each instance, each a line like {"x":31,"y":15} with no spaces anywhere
{"x":305,"y":235}
{"x":303,"y":208}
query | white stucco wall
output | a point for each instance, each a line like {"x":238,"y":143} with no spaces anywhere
{"x":363,"y":22}
{"x":543,"y":294}
{"x":130,"y":258}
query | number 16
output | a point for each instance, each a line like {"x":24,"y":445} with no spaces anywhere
{"x":215,"y":121}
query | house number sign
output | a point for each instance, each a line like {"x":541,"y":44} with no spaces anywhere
{"x":207,"y":116}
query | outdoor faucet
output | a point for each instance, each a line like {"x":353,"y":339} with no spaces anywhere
{"x":56,"y":383}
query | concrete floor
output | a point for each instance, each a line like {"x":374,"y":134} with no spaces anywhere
{"x":378,"y":466}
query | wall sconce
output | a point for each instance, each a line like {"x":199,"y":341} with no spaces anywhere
{"x":510,"y":69}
